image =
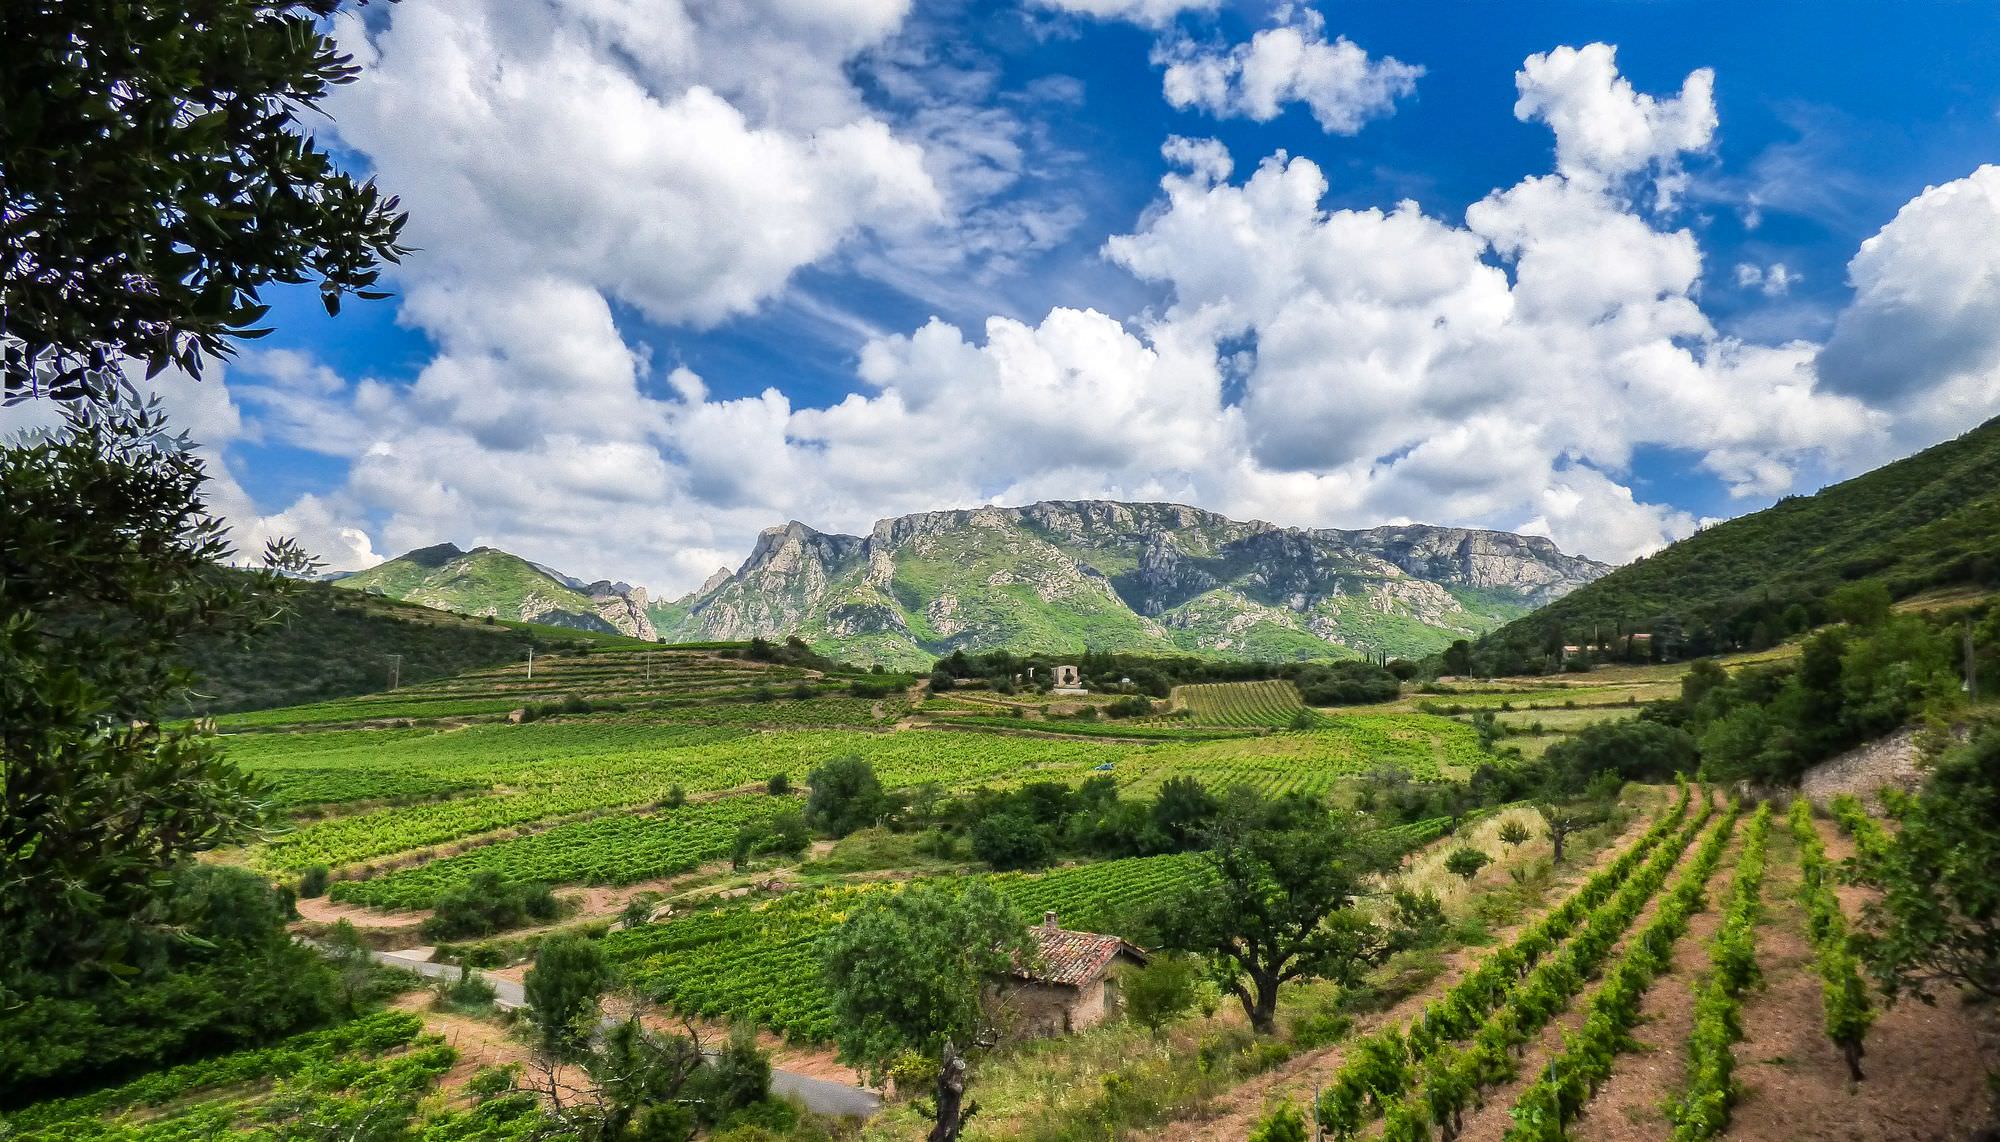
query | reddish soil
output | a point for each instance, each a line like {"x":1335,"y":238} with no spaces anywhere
{"x":1925,"y":1067}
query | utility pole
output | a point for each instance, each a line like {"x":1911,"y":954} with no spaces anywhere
{"x":531,"y":662}
{"x":395,"y":671}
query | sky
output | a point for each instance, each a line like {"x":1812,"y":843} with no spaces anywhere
{"x":687,"y":269}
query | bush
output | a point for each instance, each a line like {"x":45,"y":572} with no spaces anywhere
{"x":1283,"y":1124}
{"x":676,"y":798}
{"x":487,"y":904}
{"x":1514,"y":833}
{"x":845,"y":795}
{"x":779,"y":785}
{"x":313,"y":882}
{"x":1010,"y":841}
{"x":1160,"y":992}
{"x":1133,"y":706}
{"x":469,"y":990}
{"x":1466,"y":862}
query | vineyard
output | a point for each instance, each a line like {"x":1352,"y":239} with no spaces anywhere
{"x":1270,"y":703}
{"x":617,"y":850}
{"x":375,"y":1067}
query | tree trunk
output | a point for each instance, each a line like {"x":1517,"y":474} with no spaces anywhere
{"x":1556,"y":839}
{"x":951,"y":1109}
{"x":1264,"y":1012}
{"x":1852,"y":1053}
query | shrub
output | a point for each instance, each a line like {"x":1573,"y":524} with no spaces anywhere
{"x":1514,"y":833}
{"x":313,"y":882}
{"x":1466,"y":862}
{"x":1162,"y":991}
{"x":779,"y":785}
{"x":487,"y":904}
{"x":1010,"y":840}
{"x":1283,"y":1124}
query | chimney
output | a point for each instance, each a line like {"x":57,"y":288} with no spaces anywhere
{"x":1049,"y":920}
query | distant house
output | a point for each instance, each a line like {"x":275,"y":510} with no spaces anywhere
{"x":1070,"y":985}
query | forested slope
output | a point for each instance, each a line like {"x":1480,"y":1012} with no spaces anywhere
{"x":1932,"y":519}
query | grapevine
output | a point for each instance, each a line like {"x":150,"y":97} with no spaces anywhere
{"x":1847,"y":1014}
{"x":1703,"y":1111}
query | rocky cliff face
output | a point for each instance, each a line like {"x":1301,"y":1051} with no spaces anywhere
{"x":1063,"y":575}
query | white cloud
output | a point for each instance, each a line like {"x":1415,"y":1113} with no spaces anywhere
{"x":1777,"y":281}
{"x":1293,"y":62}
{"x":1154,"y":13}
{"x":1922,"y":335}
{"x":1308,"y":366}
{"x":1606,"y":131}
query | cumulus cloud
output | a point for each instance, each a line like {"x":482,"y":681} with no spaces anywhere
{"x":1292,"y":62}
{"x":1304,"y":365}
{"x":1922,"y":335}
{"x":1605,"y":130}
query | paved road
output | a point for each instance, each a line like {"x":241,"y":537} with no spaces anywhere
{"x":821,"y":1096}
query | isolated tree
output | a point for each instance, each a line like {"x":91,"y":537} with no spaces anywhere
{"x":1937,"y":921}
{"x":1157,"y":994}
{"x":906,"y":972}
{"x":845,"y":796}
{"x":1279,"y":905}
{"x":1560,"y":819}
{"x":563,"y":990}
{"x":155,"y":175}
{"x":1466,"y":862}
{"x":1864,"y":604}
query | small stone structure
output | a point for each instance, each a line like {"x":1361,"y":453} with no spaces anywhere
{"x":1066,"y":677}
{"x":1071,"y":985}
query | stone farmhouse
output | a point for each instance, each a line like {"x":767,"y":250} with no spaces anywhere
{"x":1071,"y":984}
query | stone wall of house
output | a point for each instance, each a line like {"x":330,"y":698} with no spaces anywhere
{"x":1056,"y":1009}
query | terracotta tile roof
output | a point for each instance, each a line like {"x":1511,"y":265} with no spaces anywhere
{"x":1074,"y":958}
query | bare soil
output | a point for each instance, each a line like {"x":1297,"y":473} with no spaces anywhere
{"x":1926,"y":1067}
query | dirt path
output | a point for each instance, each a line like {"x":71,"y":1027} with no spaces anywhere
{"x":1630,"y":1106}
{"x":1230,"y":1117}
{"x":1926,"y":1071}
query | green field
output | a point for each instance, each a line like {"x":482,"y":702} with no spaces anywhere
{"x":1271,"y":703}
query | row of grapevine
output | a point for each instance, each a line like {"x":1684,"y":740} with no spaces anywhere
{"x":1270,"y":703}
{"x":1511,"y":993}
{"x":1846,"y":1012}
{"x":623,"y":849}
{"x":342,"y":1048}
{"x":1869,"y":835}
{"x":1566,"y":1085}
{"x":1703,"y":1110}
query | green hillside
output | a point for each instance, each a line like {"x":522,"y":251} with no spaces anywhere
{"x":484,"y":581}
{"x":1930,"y":520}
{"x":339,"y":643}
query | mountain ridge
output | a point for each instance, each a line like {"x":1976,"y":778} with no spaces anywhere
{"x":1068,"y":574}
{"x":489,"y":581}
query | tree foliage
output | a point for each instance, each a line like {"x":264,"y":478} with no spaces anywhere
{"x":155,"y":175}
{"x":1937,"y":921}
{"x":563,"y":989}
{"x":1287,"y":876}
{"x":907,"y":968}
{"x":107,"y":561}
{"x":845,"y":796}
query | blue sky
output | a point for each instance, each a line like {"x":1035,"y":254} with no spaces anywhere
{"x":660,"y":241}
